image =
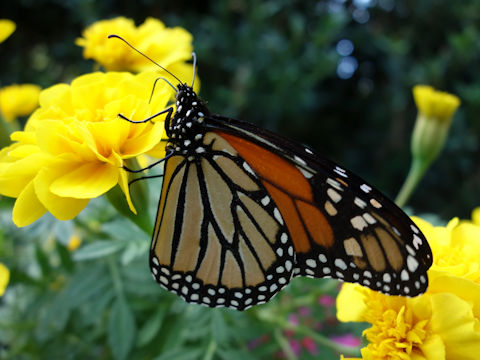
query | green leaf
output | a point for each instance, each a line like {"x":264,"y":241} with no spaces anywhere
{"x":121,"y":330}
{"x":65,"y":257}
{"x":99,"y":249}
{"x":86,"y":283}
{"x":181,"y":354}
{"x":151,"y":327}
{"x":219,"y":329}
{"x":42,"y":260}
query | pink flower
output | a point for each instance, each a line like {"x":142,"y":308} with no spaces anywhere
{"x":326,"y":300}
{"x":347,"y":340}
{"x":309,"y":344}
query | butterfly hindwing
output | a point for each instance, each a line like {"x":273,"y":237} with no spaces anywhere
{"x":219,"y":239}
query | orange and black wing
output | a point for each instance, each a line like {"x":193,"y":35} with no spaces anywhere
{"x":339,"y":225}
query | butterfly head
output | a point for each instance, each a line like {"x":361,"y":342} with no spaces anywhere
{"x":185,"y":130}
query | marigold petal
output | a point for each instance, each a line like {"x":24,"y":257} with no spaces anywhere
{"x":145,"y":142}
{"x":465,"y":289}
{"x":433,"y":348}
{"x":123,"y":182}
{"x":27,"y":207}
{"x":24,"y":137}
{"x":351,"y":303}
{"x":58,"y":96}
{"x":453,"y":319}
{"x":86,"y":181}
{"x":63,"y":208}
{"x":15,"y":176}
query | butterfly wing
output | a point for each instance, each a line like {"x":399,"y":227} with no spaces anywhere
{"x":339,"y":225}
{"x":219,"y":238}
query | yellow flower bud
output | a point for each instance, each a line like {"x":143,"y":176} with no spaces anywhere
{"x":4,"y":278}
{"x":435,"y":111}
{"x":18,"y":100}
{"x":7,"y":27}
{"x":74,"y":242}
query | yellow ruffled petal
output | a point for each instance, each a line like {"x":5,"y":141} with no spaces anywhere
{"x":145,"y":142}
{"x":86,"y":181}
{"x":27,"y":207}
{"x":453,"y":319}
{"x":351,"y":303}
{"x":433,"y":348}
{"x":15,"y":176}
{"x":441,"y":282}
{"x":63,"y":208}
{"x":123,"y":182}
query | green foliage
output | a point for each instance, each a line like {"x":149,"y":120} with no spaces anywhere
{"x":270,"y":62}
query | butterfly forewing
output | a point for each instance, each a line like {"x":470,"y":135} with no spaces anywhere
{"x":219,"y":239}
{"x":340,"y":226}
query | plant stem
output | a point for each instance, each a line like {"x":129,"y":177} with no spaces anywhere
{"x":415,"y":174}
{"x":287,"y":350}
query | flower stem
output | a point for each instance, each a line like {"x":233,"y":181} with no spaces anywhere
{"x":287,"y":350}
{"x":212,"y":347}
{"x":415,"y":174}
{"x":283,"y":324}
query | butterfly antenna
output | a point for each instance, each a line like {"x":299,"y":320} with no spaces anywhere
{"x":194,"y":56}
{"x":153,"y":61}
{"x":155,"y":84}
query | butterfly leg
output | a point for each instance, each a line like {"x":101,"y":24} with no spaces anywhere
{"x":168,"y":111}
{"x":149,"y":166}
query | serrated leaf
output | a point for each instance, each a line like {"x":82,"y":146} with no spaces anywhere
{"x":99,"y":249}
{"x":121,"y":329}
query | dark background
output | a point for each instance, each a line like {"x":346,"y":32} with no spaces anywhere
{"x":277,"y":64}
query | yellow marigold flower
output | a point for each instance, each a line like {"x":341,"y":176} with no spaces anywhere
{"x":18,"y":100}
{"x":169,"y":47}
{"x":74,"y":242}
{"x":7,"y":27}
{"x":4,"y":278}
{"x":74,"y":146}
{"x":444,"y":323}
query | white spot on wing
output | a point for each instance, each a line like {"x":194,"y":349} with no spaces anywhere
{"x":332,"y":194}
{"x":277,"y":215}
{"x":412,"y":263}
{"x":358,"y":223}
{"x":365,"y":188}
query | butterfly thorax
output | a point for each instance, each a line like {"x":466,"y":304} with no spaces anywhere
{"x":185,"y":130}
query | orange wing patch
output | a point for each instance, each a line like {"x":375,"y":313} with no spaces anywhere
{"x":291,"y":192}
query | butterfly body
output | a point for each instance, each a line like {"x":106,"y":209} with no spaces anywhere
{"x":243,"y":210}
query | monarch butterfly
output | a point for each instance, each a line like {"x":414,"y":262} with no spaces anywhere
{"x":243,"y":210}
